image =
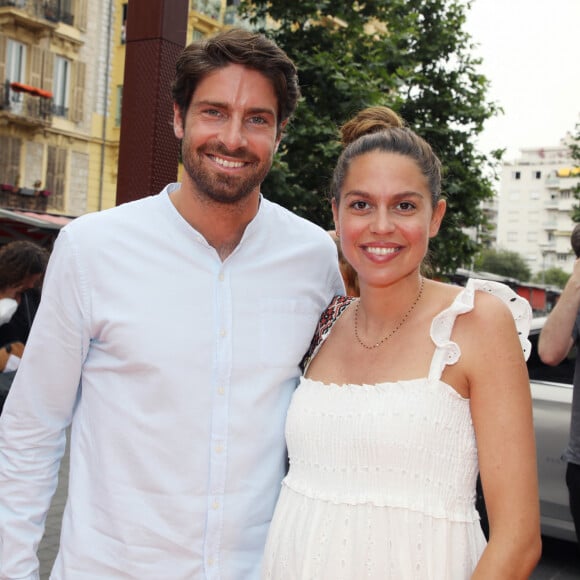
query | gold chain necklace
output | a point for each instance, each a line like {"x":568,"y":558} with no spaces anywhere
{"x":402,"y":321}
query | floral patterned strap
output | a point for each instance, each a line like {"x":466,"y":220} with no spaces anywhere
{"x":327,"y":319}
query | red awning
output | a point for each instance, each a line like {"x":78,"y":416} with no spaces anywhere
{"x":22,"y":225}
{"x":22,"y":88}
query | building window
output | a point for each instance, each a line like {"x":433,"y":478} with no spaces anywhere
{"x":532,"y":236}
{"x":119,"y":105}
{"x":55,"y":176}
{"x":10,"y":148}
{"x":565,"y":194}
{"x":512,"y":236}
{"x":562,"y":257}
{"x":15,"y":61}
{"x":514,"y":195}
{"x":517,"y":174}
{"x":62,"y":68}
{"x":59,"y":11}
{"x":16,"y":72}
{"x":537,"y":174}
{"x":124,"y":24}
{"x":534,"y":195}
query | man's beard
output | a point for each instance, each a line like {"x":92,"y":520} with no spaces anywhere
{"x":220,"y":187}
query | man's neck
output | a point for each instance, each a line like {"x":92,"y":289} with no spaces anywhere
{"x":222,"y":225}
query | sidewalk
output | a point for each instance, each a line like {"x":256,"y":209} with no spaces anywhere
{"x":49,"y":544}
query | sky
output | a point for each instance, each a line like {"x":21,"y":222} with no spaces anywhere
{"x":531,"y":55}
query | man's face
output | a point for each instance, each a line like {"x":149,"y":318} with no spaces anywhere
{"x":229,"y":134}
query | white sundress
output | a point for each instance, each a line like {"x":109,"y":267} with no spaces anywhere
{"x":382,"y":478}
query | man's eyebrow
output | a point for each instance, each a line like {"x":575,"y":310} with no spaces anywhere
{"x":262,"y":110}
{"x":220,"y":105}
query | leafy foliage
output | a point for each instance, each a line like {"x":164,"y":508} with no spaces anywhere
{"x":552,"y":277}
{"x":575,"y":150}
{"x":411,"y":55}
{"x":503,"y":263}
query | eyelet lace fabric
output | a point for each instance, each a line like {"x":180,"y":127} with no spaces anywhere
{"x":382,"y":477}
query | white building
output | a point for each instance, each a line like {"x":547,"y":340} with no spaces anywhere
{"x":534,"y":207}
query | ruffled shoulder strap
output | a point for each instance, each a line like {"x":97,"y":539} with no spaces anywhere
{"x":448,"y":352}
{"x":325,"y":324}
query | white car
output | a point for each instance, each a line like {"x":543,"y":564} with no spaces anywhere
{"x":552,"y":398}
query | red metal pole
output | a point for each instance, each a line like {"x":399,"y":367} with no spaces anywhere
{"x":148,"y":149}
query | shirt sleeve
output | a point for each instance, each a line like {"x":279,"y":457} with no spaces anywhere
{"x":37,"y":411}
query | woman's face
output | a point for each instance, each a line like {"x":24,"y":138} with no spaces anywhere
{"x":385,"y":217}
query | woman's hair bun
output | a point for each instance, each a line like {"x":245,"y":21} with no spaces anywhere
{"x":370,"y":120}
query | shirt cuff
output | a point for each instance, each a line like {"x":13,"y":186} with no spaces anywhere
{"x":12,"y":363}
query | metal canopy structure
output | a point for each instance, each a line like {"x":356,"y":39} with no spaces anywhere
{"x":41,"y":228}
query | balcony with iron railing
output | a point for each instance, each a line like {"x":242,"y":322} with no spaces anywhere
{"x":58,"y":11}
{"x":23,"y":198}
{"x":30,"y":106}
{"x":209,"y":8}
{"x":54,"y":11}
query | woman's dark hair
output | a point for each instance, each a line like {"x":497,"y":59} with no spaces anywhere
{"x":21,"y":259}
{"x":381,"y":129}
{"x":237,"y":46}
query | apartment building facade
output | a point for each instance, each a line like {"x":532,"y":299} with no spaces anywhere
{"x":534,"y":206}
{"x":61,"y":88}
{"x":52,"y":78}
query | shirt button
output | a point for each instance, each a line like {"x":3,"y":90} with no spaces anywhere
{"x":221,"y":390}
{"x":215,"y":505}
{"x":221,"y":277}
{"x":219,"y":448}
{"x":223,"y":332}
{"x":210,"y":561}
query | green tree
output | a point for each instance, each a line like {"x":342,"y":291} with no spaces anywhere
{"x":412,"y":55}
{"x":552,"y":277}
{"x":503,"y":263}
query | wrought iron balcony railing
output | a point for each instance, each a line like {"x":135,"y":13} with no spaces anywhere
{"x":51,"y":10}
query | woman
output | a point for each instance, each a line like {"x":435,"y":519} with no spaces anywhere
{"x":407,"y":393}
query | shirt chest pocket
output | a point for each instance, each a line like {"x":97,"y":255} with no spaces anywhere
{"x":285,"y":330}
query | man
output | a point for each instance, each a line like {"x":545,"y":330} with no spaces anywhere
{"x":561,"y":331}
{"x":170,"y":334}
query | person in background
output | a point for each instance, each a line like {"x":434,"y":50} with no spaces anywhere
{"x":22,"y":266}
{"x":169,"y":336}
{"x":407,"y":393}
{"x":349,"y":275}
{"x":560,"y":333}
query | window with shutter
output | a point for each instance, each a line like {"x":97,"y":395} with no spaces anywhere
{"x":78,"y":92}
{"x":81,"y":14}
{"x":10,"y":148}
{"x":3,"y":90}
{"x":55,"y":176}
{"x":2,"y":58}
{"x":16,"y":72}
{"x":61,"y":84}
{"x":36,"y":66}
{"x":47,"y":70}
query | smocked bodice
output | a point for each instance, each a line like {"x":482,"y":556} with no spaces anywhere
{"x":409,"y":444}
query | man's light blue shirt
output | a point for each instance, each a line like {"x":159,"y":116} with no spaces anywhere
{"x":176,"y":370}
